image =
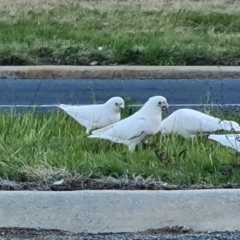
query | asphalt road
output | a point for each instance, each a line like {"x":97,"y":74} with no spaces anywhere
{"x":179,"y":93}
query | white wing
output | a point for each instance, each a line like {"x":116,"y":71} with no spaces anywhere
{"x":200,"y":123}
{"x":190,"y":122}
{"x":228,"y":140}
{"x":208,"y":123}
{"x":122,"y":131}
{"x":82,"y":114}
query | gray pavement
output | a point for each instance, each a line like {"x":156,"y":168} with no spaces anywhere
{"x":93,"y":211}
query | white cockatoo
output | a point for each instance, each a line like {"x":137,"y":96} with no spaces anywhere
{"x":136,"y":128}
{"x":187,"y":123}
{"x":96,"y":115}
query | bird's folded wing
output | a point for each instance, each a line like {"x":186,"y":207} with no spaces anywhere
{"x":126,"y":129}
{"x":80,"y":113}
{"x":195,"y":123}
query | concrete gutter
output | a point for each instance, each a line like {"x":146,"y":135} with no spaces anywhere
{"x":123,"y":72}
{"x":121,"y":211}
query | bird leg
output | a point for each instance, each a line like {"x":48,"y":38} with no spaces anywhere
{"x":87,"y":131}
{"x":132,"y":147}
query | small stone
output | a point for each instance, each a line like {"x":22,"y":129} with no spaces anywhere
{"x":93,"y":63}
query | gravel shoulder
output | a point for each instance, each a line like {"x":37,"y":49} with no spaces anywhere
{"x":107,"y":183}
{"x":175,"y":233}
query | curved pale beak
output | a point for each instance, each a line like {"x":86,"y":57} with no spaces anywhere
{"x":164,"y":106}
{"x":120,"y":107}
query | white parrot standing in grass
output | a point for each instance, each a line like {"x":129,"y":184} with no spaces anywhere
{"x":136,"y":128}
{"x":96,"y":115}
{"x":188,"y":123}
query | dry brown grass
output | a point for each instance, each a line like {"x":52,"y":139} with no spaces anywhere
{"x":43,"y":173}
{"x":104,"y":5}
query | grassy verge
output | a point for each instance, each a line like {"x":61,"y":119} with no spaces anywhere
{"x":153,"y":32}
{"x":37,"y":147}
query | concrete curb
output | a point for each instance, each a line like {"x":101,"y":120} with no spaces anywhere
{"x":122,"y":72}
{"x":121,"y":211}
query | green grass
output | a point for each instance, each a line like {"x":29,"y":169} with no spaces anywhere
{"x":50,"y":146}
{"x":154,"y":32}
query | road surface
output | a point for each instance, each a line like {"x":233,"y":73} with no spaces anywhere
{"x":180,"y":93}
